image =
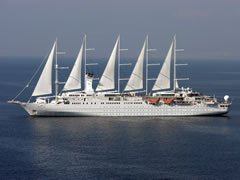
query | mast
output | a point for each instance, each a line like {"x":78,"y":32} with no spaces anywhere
{"x":56,"y":72}
{"x":175,"y":83}
{"x":147,"y":64}
{"x":119,"y":64}
{"x":85,"y":57}
{"x":85,"y":54}
{"x":174,"y":62}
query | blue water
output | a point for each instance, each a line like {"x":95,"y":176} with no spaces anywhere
{"x":121,"y":147}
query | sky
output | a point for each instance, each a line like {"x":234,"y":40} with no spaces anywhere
{"x":206,"y":29}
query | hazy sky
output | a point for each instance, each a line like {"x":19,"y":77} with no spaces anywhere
{"x":204,"y":28}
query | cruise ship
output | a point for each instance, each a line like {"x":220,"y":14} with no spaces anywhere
{"x":107,"y":100}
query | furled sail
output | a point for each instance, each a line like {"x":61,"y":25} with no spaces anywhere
{"x":107,"y":80}
{"x":74,"y":79}
{"x":135,"y":81}
{"x":44,"y":85}
{"x":163,"y":79}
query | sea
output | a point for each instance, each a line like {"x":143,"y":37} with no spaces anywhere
{"x":65,"y":148}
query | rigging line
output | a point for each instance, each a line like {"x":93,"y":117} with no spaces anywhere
{"x":29,"y":99}
{"x":27,"y":85}
{"x":62,"y":91}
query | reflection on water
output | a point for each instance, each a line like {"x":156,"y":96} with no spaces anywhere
{"x":137,"y":118}
{"x":80,"y":125}
{"x":138,"y":146}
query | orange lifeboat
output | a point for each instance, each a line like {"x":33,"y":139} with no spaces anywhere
{"x":153,"y":100}
{"x":168,"y":100}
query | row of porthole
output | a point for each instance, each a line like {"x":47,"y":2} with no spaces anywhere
{"x":159,"y":109}
{"x":110,"y":103}
{"x":86,"y":103}
{"x":133,"y":103}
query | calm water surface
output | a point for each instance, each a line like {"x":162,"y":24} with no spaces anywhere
{"x":121,"y":147}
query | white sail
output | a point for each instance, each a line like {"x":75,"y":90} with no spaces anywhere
{"x":177,"y":86}
{"x":107,"y":80}
{"x":44,"y":85}
{"x":135,"y":81}
{"x":74,"y":79}
{"x":163,"y":79}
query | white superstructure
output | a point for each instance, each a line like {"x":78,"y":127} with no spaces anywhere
{"x":107,"y":100}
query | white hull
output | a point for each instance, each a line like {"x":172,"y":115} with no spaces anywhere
{"x":121,"y":109}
